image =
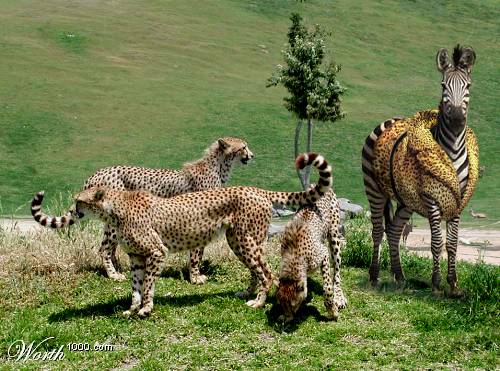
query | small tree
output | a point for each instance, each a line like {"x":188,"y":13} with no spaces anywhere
{"x":314,"y":93}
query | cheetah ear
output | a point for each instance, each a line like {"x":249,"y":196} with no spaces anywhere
{"x":99,"y":195}
{"x":467,"y":59}
{"x":223,"y":145}
{"x":443,"y":60}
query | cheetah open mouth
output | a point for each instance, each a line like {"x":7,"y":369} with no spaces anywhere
{"x":245,"y":160}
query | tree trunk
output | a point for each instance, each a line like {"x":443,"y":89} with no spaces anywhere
{"x":307,"y":170}
{"x":297,"y":152}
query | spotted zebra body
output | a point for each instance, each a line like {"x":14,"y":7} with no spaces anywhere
{"x":427,"y":163}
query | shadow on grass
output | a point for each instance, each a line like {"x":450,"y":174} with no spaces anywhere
{"x":182,"y":273}
{"x":179,"y":273}
{"x":118,"y":305}
{"x":305,"y":311}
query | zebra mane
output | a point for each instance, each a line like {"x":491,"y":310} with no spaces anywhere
{"x":457,"y":54}
{"x":464,"y":57}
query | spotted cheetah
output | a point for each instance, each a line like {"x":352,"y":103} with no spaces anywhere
{"x":303,"y":251}
{"x":211,"y":171}
{"x":148,"y":226}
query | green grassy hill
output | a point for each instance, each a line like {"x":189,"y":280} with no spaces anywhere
{"x":90,"y":84}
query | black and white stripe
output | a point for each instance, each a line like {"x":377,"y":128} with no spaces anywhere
{"x":451,"y":129}
{"x":45,"y":220}
{"x":380,"y":204}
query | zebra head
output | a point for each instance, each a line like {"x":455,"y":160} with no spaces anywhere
{"x":456,"y":82}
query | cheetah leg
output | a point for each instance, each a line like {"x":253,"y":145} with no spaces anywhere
{"x":137,"y":266}
{"x":231,"y":240}
{"x":195,"y":276}
{"x":251,"y":254}
{"x":377,"y":208}
{"x":265,"y":277}
{"x":336,"y":244}
{"x":434,"y":216}
{"x":394,"y":230}
{"x":328,"y":296}
{"x":451,"y":249}
{"x":108,"y":254}
{"x":154,"y":263}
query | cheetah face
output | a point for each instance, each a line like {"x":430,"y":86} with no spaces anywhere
{"x":88,"y":201}
{"x":236,"y":149}
{"x":291,"y":294}
{"x":245,"y":155}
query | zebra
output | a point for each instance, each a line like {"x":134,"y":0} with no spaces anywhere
{"x":427,"y":164}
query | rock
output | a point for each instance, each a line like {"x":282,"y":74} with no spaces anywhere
{"x":349,"y":208}
{"x":284,"y":212}
{"x":281,"y":212}
{"x":275,"y":229}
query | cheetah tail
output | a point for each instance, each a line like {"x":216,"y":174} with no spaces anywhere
{"x":310,"y":195}
{"x":46,"y":220}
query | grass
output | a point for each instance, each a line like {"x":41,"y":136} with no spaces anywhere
{"x":52,"y":285}
{"x":90,"y":84}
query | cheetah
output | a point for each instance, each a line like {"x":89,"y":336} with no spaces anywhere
{"x":303,"y":251}
{"x":148,"y":226}
{"x":211,"y":171}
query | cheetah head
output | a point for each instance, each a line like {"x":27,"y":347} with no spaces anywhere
{"x":235,"y":149}
{"x":90,"y":201}
{"x":291,"y":294}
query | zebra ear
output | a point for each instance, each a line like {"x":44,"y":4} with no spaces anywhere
{"x":443,"y":60}
{"x":467,"y":59}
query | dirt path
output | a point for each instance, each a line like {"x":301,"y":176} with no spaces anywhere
{"x":473,"y":243}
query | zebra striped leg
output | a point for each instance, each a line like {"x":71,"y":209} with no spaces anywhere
{"x":377,"y":208}
{"x":394,"y":230}
{"x":379,"y":202}
{"x":451,"y":249}
{"x":434,"y":216}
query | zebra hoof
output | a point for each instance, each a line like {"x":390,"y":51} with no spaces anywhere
{"x":400,"y":283}
{"x":456,"y":293}
{"x":437,"y":293}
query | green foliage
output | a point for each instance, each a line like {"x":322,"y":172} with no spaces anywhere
{"x":358,"y":251}
{"x":48,"y":288}
{"x":314,"y":94}
{"x":482,"y":283}
{"x":154,"y":90}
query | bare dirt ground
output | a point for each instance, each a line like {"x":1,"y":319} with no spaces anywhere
{"x":474,"y":243}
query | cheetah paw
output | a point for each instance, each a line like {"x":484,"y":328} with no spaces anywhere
{"x":255,"y":304}
{"x":340,"y":301}
{"x":144,"y":312}
{"x":200,"y":279}
{"x":117,"y":277}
